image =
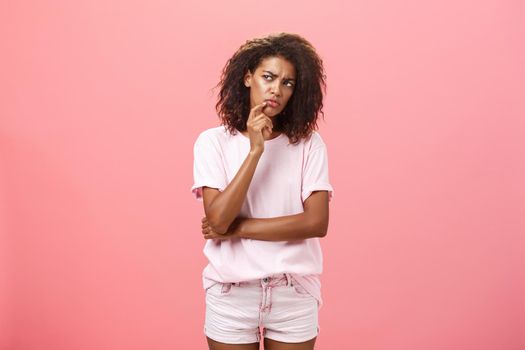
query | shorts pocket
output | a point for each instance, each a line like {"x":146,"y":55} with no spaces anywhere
{"x":299,"y":290}
{"x":220,"y":289}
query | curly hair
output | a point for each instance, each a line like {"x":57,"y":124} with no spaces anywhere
{"x":299,"y":118}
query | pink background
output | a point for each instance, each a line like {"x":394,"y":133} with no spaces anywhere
{"x":101,"y":101}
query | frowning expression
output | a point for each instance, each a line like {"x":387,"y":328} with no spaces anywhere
{"x":273,"y":80}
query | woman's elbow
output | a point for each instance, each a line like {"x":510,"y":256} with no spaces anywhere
{"x":217,"y":225}
{"x":320,"y":228}
{"x":322,"y":233}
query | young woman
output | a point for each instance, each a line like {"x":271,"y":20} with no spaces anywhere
{"x":263,"y":179}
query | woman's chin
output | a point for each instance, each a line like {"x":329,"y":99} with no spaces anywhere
{"x":271,"y":113}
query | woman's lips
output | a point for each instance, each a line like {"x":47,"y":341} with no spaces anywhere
{"x":272,"y":103}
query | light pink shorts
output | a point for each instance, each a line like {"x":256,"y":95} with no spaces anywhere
{"x":285,"y":311}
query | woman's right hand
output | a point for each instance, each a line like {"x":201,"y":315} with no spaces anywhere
{"x":259,"y":127}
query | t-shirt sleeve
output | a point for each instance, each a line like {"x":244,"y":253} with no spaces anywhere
{"x":208,"y":168}
{"x":315,"y":173}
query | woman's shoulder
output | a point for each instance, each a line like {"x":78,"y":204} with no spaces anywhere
{"x":215,"y":134}
{"x":314,"y":141}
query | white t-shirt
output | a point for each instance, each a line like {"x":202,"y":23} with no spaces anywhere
{"x":285,"y":176}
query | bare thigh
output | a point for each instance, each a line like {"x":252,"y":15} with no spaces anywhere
{"x":270,"y":344}
{"x":215,"y":345}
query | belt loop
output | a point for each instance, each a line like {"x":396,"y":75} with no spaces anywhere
{"x":288,"y":279}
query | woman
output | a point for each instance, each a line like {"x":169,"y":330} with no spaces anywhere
{"x":263,"y":178}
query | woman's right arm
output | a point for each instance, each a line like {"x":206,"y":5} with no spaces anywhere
{"x":222,"y":208}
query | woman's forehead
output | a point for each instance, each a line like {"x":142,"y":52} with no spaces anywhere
{"x":277,"y":66}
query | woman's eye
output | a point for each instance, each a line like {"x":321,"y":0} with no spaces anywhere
{"x":265,"y":76}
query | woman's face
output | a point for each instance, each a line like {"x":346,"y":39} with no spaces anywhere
{"x":274,"y":79}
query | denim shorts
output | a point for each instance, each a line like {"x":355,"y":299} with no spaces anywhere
{"x":284,"y":311}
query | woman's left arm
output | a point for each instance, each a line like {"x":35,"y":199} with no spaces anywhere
{"x":313,"y":222}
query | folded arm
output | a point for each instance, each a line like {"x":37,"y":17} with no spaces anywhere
{"x":222,"y":208}
{"x":313,"y":222}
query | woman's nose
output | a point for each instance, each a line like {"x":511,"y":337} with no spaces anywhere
{"x":276,"y":89}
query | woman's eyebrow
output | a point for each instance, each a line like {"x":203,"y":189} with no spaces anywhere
{"x":273,"y":74}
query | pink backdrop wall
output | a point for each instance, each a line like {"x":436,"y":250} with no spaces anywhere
{"x":101,"y":101}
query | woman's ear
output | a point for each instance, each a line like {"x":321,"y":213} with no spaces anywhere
{"x":248,"y":79}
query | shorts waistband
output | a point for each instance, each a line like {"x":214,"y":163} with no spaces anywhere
{"x":280,"y":279}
